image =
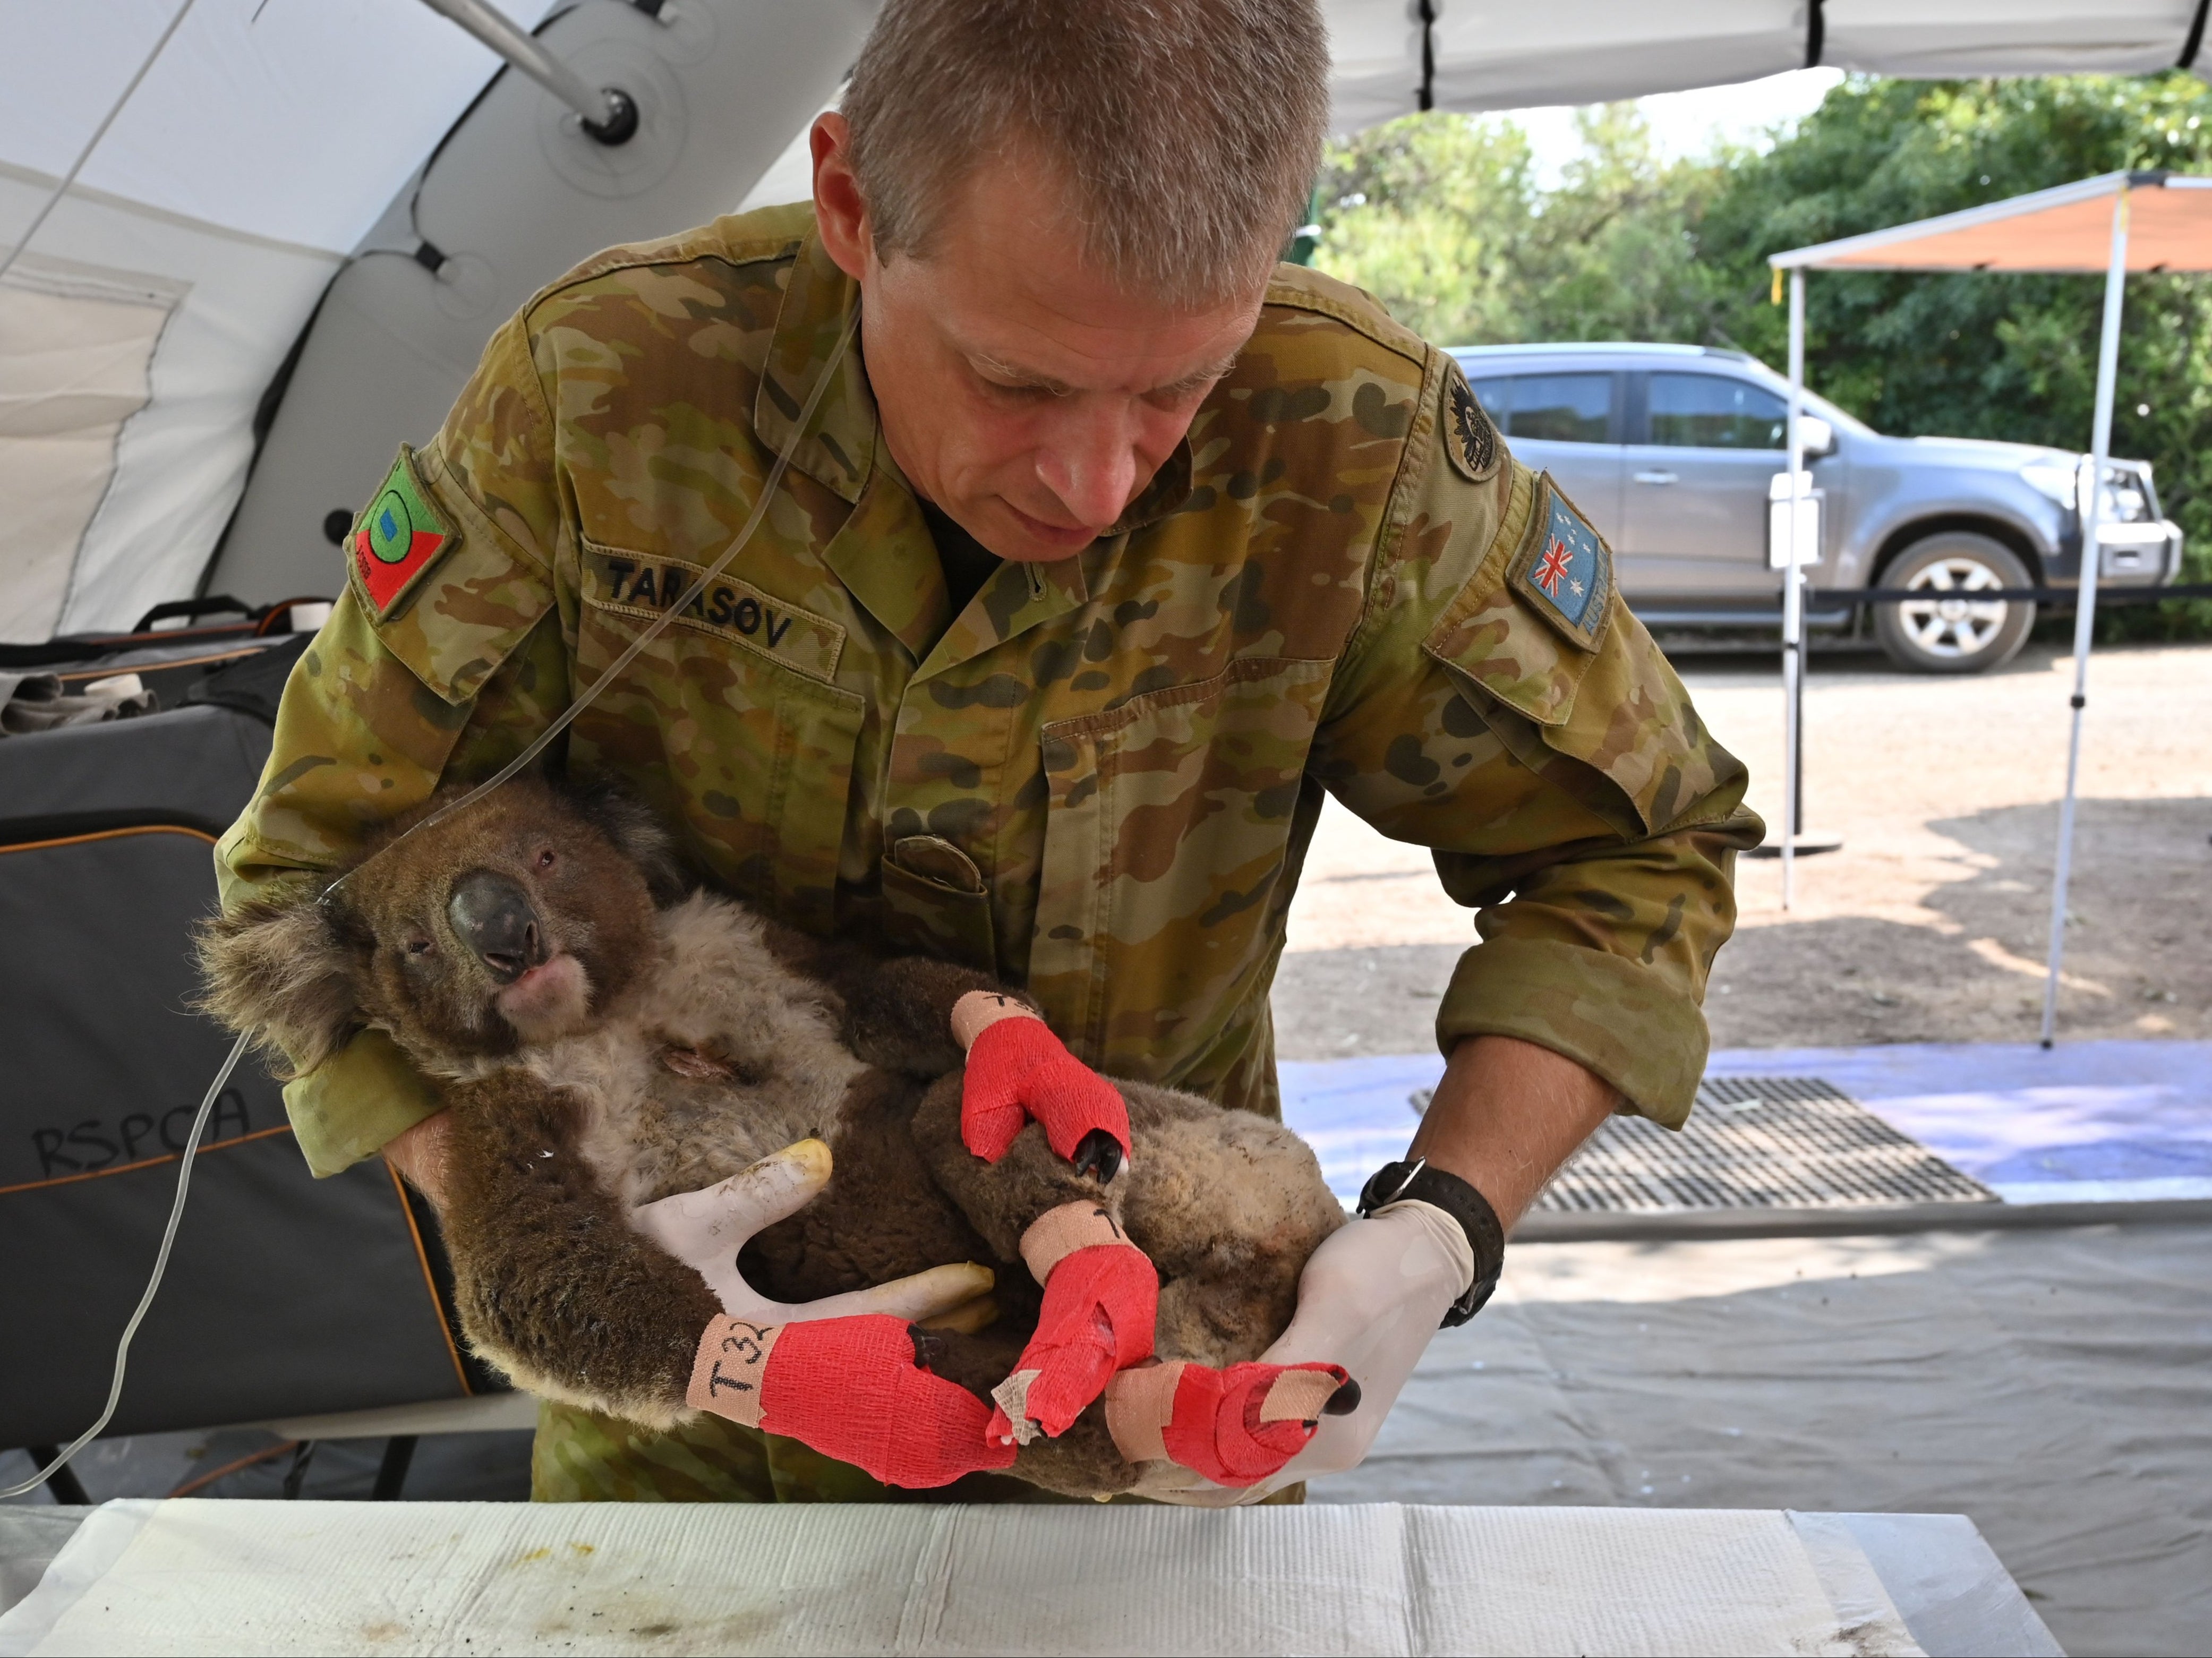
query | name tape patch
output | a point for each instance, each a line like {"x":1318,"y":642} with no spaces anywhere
{"x":397,"y":539}
{"x":728,"y":607}
{"x":1564,"y":569}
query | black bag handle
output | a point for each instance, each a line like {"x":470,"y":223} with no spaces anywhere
{"x":192,"y":610}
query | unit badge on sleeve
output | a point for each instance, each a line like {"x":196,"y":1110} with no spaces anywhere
{"x":1470,"y":440}
{"x":1564,"y":569}
{"x":396,"y":539}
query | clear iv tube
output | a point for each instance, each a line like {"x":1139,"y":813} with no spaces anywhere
{"x":568,"y":715}
{"x":567,"y":718}
{"x":152,"y":1284}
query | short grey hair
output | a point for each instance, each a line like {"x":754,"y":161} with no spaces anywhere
{"x":1189,"y":130}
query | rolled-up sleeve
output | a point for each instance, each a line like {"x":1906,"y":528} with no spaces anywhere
{"x":1566,"y":787}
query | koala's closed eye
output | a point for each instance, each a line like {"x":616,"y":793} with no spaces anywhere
{"x":418,"y":946}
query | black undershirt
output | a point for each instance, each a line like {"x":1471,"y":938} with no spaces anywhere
{"x":966,"y":561}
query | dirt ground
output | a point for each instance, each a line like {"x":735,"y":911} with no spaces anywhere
{"x":1930,"y":925}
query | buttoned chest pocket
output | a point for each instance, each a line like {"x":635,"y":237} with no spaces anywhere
{"x":729,"y":722}
{"x":1161,"y":896}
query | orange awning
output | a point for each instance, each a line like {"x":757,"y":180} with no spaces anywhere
{"x":2069,"y":228}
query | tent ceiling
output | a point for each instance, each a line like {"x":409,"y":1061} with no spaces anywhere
{"x":2069,"y":228}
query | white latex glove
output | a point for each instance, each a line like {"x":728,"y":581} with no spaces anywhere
{"x":706,"y":1228}
{"x":1369,"y":1299}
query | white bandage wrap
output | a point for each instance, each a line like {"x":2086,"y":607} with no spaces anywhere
{"x":1057,"y":1233}
{"x":1139,"y":1404}
{"x":979,"y":1009}
{"x":726,"y":1377}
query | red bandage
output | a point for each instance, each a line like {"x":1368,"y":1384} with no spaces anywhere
{"x":1018,"y":1071}
{"x":1100,"y":1304}
{"x":851,"y":1388}
{"x":1235,"y":1426}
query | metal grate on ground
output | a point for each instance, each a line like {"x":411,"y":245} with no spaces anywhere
{"x":1757,"y":1143}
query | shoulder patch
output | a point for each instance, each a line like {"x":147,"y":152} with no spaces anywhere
{"x":397,"y":539}
{"x":1469,"y":438}
{"x":1563,"y":568}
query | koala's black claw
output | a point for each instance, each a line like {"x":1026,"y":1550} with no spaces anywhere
{"x":929,"y":1347}
{"x":1098,"y":1155}
{"x":1343,"y":1401}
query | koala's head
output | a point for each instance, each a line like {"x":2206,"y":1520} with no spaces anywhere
{"x":514,"y":921}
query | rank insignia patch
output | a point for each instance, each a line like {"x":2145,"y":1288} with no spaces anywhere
{"x":396,"y":539}
{"x":1564,"y":569}
{"x":1469,"y":438}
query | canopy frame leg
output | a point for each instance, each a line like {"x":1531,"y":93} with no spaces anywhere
{"x":1793,"y":601}
{"x":2091,"y":497}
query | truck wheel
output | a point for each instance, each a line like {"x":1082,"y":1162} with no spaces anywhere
{"x":1949,"y":631}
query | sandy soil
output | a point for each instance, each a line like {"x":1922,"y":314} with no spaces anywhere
{"x":1929,"y":926}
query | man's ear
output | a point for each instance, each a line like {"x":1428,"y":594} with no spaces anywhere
{"x":280,"y":969}
{"x":609,"y":807}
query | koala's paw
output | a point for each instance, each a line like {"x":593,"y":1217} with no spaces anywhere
{"x":1236,"y":1427}
{"x":1100,"y":1304}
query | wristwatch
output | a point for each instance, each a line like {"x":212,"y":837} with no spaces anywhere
{"x":1395,"y":1181}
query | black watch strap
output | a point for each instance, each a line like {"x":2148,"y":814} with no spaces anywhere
{"x":1395,"y":1181}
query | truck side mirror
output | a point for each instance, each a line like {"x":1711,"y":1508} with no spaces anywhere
{"x":1818,"y":437}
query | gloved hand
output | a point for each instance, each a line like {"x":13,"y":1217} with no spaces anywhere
{"x":1369,"y":1299}
{"x":707,"y":1229}
{"x":1020,"y":1072}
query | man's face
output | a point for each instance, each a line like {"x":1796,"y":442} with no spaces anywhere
{"x":1029,"y":397}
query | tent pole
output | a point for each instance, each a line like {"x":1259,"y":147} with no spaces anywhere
{"x":2085,"y":614}
{"x":1793,"y":599}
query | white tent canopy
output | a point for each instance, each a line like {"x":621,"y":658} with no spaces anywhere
{"x":1486,"y":56}
{"x":2109,"y":225}
{"x":271,"y":143}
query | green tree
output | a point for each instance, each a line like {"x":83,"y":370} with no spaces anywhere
{"x":1432,"y":214}
{"x":1439,"y":216}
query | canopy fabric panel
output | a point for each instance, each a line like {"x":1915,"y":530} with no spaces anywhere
{"x":75,"y":347}
{"x":2065,"y":229}
{"x":1486,"y":57}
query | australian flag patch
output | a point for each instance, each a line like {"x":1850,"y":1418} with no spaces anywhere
{"x":1564,"y":569}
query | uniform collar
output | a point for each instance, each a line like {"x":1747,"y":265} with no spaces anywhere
{"x":1167,"y":492}
{"x":838,"y":450}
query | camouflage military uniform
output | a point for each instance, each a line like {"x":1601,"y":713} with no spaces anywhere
{"x":1100,"y":778}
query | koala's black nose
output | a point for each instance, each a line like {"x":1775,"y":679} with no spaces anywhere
{"x":493,"y":916}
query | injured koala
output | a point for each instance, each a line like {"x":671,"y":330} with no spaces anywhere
{"x":606,"y":1037}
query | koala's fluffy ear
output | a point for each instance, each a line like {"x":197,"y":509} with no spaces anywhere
{"x":281,"y":969}
{"x":610,"y":807}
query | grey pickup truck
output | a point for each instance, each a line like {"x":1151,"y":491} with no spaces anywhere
{"x":1675,"y":452}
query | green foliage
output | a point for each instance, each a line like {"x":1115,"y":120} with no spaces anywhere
{"x":1440,"y":217}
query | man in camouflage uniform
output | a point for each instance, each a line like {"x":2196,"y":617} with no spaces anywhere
{"x":1095,"y":776}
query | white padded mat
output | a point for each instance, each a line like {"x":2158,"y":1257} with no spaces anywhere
{"x":195,"y":1576}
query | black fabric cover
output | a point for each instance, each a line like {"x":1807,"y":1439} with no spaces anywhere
{"x":253,"y":684}
{"x":286,"y":1295}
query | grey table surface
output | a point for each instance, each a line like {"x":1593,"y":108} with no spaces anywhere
{"x":1955,"y":1596}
